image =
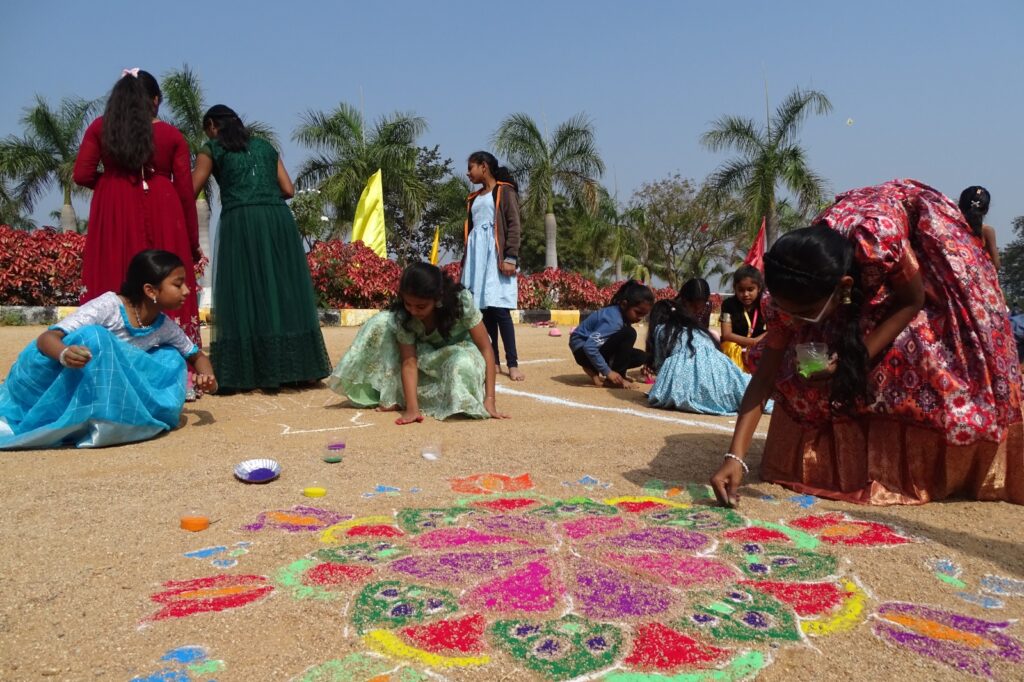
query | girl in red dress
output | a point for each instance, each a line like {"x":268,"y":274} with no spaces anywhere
{"x":142,"y":199}
{"x":922,"y":397}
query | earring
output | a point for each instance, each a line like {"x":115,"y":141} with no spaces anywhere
{"x":846,"y":300}
{"x":154,"y":300}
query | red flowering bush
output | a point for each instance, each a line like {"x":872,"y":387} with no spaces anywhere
{"x":560,"y":289}
{"x":41,"y":267}
{"x":453,"y":270}
{"x":352,"y":275}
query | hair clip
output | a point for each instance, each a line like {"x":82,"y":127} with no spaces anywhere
{"x":134,"y":73}
{"x":975,"y":203}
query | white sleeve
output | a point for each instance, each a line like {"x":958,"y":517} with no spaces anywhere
{"x":102,"y":311}
{"x":175,"y":336}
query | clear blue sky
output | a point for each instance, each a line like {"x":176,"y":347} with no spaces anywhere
{"x":934,"y":88}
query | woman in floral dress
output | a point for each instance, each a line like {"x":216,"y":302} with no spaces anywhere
{"x":922,"y":398}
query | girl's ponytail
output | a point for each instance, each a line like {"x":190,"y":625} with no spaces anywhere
{"x":128,"y":119}
{"x":973,"y":204}
{"x":498,"y":172}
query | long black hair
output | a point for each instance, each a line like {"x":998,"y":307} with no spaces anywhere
{"x":499,"y":172}
{"x":231,"y":132}
{"x":128,"y":119}
{"x":632,"y":293}
{"x":805,"y":265}
{"x":429,"y":281}
{"x":151,"y":266}
{"x":973,"y":204}
{"x":670,"y":318}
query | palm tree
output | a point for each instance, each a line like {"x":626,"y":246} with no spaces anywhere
{"x":612,"y":230}
{"x":46,"y":154}
{"x":347,"y":153}
{"x":769,"y":156}
{"x":183,"y":95}
{"x":12,"y":210}
{"x":568,"y":161}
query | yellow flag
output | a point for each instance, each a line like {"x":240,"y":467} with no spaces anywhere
{"x":437,"y":242}
{"x":368,"y":225}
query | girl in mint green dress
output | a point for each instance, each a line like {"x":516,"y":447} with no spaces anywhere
{"x":429,"y":353}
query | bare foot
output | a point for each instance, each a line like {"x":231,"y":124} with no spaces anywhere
{"x":515,"y":374}
{"x":594,"y":377}
{"x":388,"y":408}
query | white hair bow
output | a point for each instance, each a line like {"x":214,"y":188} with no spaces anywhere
{"x":134,"y":73}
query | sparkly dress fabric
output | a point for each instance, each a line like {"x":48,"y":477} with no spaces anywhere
{"x":945,"y":418}
{"x":266,"y":330}
{"x":132,"y":389}
{"x":702,"y":379}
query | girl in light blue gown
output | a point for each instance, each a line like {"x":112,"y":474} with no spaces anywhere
{"x":111,"y":372}
{"x":693,"y":375}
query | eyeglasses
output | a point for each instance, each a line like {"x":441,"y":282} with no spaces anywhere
{"x":810,"y":320}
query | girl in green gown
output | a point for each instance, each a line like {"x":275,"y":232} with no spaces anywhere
{"x":266,"y":332}
{"x":429,"y":353}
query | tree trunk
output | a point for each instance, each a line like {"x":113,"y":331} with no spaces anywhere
{"x":618,"y":270}
{"x":769,"y":226}
{"x":206,"y":281}
{"x":550,"y":237}
{"x":68,"y":219}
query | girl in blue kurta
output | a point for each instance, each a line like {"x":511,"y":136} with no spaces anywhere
{"x":693,"y":374}
{"x":111,"y":372}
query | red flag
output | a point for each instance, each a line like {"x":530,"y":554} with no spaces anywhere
{"x":755,"y":256}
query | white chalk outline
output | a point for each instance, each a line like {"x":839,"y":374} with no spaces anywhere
{"x":552,"y":400}
{"x":287,"y":430}
{"x":537,"y":362}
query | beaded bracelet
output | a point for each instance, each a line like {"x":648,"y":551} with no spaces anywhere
{"x":743,"y":464}
{"x":61,"y":359}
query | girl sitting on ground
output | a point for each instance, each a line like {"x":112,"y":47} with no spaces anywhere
{"x":692,"y":374}
{"x":429,"y":353}
{"x":741,"y":320}
{"x":603,"y":343}
{"x":111,"y":372}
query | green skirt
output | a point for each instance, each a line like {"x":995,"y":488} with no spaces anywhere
{"x":450,"y":379}
{"x":266,"y":331}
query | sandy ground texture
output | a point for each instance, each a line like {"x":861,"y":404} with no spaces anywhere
{"x":654,"y":579}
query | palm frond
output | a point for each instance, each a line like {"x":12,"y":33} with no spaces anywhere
{"x":794,"y":109}
{"x":183,"y":95}
{"x":734,"y":132}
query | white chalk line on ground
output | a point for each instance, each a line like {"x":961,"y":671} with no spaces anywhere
{"x":356,"y":424}
{"x":552,"y":400}
{"x":537,"y":362}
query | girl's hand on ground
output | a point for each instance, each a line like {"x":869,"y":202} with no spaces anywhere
{"x":616,"y":379}
{"x":492,"y":410}
{"x":409,"y":418}
{"x":76,"y":357}
{"x":206,"y":383}
{"x":725,"y":482}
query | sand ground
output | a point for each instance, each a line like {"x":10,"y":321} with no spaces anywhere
{"x":89,"y":536}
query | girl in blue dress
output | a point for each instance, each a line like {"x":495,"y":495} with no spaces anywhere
{"x":492,"y":234}
{"x":111,"y":372}
{"x":693,"y":375}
